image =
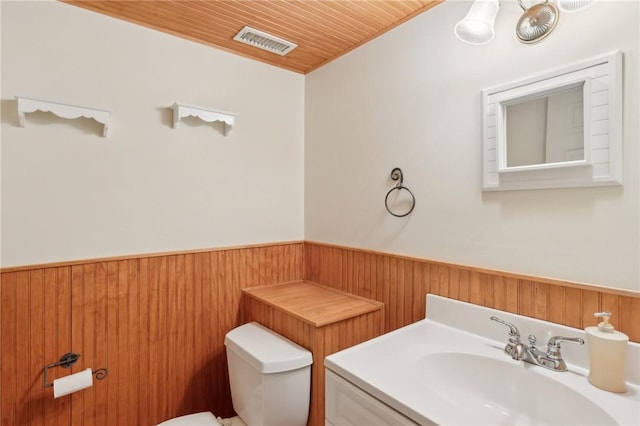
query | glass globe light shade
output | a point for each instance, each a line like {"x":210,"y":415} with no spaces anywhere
{"x":477,"y":25}
{"x":574,"y":5}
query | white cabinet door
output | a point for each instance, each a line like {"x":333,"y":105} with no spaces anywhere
{"x":348,"y":405}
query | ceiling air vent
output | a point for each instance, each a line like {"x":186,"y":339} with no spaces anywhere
{"x":264,"y":41}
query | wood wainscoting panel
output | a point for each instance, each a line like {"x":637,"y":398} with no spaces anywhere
{"x":157,"y":323}
{"x":401,"y":283}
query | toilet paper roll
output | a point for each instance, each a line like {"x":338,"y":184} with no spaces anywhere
{"x":72,"y":383}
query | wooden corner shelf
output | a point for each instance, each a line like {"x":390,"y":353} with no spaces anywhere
{"x":320,"y":318}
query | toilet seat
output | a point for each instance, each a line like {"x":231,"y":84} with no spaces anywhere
{"x":199,"y":419}
{"x":205,"y":418}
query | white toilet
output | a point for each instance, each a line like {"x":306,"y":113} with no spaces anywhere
{"x":270,"y":380}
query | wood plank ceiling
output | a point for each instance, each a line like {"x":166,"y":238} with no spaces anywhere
{"x":322,"y":29}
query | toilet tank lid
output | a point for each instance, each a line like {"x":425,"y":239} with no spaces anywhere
{"x":265,"y":350}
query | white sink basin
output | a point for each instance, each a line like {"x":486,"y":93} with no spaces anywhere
{"x":450,"y":369}
{"x":504,"y":393}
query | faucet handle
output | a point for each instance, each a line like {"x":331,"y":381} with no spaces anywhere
{"x":514,"y":348}
{"x":513,"y":330}
{"x":553,"y":347}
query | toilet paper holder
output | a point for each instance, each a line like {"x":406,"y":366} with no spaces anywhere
{"x":66,"y":361}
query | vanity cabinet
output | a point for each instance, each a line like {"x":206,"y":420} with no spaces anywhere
{"x":348,"y":405}
{"x":319,"y":318}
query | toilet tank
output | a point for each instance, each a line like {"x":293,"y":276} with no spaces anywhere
{"x":270,"y":377}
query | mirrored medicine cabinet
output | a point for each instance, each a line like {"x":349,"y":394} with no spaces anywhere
{"x":559,"y":129}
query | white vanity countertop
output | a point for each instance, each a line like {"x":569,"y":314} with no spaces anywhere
{"x":389,"y":367}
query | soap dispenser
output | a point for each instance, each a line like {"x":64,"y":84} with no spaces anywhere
{"x":607,"y":350}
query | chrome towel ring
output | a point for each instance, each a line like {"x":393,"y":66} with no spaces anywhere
{"x":396,"y":174}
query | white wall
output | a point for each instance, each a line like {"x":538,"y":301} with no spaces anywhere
{"x":412,"y":99}
{"x":68,"y":193}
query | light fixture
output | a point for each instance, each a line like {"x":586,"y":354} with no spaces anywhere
{"x":536,"y":23}
{"x":477,"y":25}
{"x":574,"y":5}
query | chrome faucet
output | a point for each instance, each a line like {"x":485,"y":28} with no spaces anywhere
{"x":514,"y":348}
{"x":554,"y":359}
{"x":551,"y":359}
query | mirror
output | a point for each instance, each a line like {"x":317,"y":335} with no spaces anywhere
{"x":546,"y":129}
{"x":558,"y":129}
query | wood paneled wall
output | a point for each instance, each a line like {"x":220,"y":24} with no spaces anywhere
{"x":402,"y":283}
{"x":156,"y":323}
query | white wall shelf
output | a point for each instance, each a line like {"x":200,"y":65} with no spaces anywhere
{"x":27,"y":105}
{"x":181,"y":111}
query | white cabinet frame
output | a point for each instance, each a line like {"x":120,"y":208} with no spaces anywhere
{"x":602,"y":95}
